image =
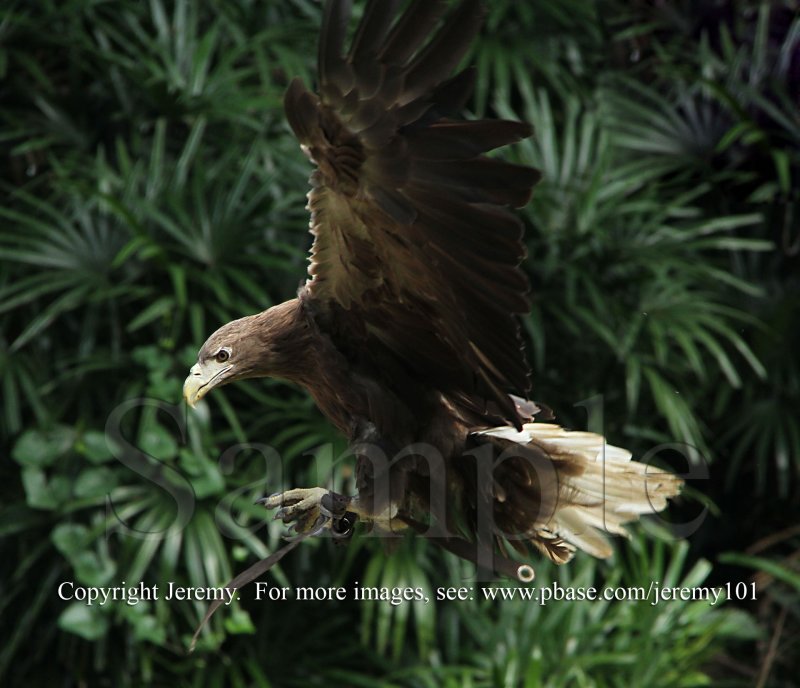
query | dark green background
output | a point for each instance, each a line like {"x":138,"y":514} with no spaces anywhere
{"x":151,"y":191}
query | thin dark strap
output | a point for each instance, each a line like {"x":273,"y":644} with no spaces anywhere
{"x":465,"y":549}
{"x":248,"y":576}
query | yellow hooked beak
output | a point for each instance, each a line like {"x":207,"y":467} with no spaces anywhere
{"x":202,"y":379}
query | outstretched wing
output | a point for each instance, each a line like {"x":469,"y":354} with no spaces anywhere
{"x":416,"y":251}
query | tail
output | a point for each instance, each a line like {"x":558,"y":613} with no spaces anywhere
{"x":600,"y":489}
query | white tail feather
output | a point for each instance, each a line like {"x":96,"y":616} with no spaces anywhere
{"x":610,"y":491}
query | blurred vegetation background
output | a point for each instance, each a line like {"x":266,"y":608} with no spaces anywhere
{"x":151,"y":191}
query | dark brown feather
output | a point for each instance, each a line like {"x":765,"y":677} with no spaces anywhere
{"x":372,"y":31}
{"x":441,"y":56}
{"x":332,"y":67}
{"x":448,"y":140}
{"x":411,"y":30}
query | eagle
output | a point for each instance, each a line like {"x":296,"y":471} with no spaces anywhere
{"x":406,"y":332}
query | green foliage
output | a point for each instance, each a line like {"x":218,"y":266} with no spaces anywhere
{"x":152,"y":191}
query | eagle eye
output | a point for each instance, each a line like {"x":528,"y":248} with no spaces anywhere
{"x":222,"y":355}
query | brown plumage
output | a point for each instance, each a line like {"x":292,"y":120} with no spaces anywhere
{"x":406,"y":331}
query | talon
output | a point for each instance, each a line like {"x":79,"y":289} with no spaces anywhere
{"x":266,"y":500}
{"x":274,"y":500}
{"x":297,"y":535}
{"x":285,"y":513}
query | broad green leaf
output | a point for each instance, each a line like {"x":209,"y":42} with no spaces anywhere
{"x":158,"y":442}
{"x":90,"y":623}
{"x":41,"y":448}
{"x":70,"y":538}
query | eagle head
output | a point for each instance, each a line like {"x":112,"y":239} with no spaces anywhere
{"x":258,"y":345}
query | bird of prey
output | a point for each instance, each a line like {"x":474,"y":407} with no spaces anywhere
{"x":406,"y":332}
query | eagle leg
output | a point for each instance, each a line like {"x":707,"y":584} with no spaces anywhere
{"x":313,"y":509}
